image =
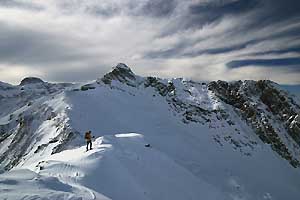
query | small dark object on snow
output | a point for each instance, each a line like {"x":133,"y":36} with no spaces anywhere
{"x":87,"y":87}
{"x":147,"y":145}
{"x":53,"y":141}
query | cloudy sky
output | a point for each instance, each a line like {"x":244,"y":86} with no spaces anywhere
{"x":76,"y":40}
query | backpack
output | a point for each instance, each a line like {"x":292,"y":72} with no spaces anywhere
{"x":87,"y":136}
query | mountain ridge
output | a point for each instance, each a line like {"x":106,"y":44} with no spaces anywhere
{"x":209,"y":134}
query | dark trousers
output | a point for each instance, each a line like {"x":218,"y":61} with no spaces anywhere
{"x":88,"y":142}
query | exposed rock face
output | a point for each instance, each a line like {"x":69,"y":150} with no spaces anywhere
{"x":190,"y":113}
{"x":181,"y":96}
{"x":31,"y":80}
{"x":21,"y":138}
{"x":255,"y":102}
{"x":260,"y":103}
{"x":282,"y":106}
{"x":162,"y":88}
{"x":21,"y":131}
{"x":120,"y":73}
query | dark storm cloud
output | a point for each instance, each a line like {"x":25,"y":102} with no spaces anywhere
{"x":175,"y":51}
{"x":96,"y":9}
{"x":158,"y":8}
{"x":23,"y":46}
{"x":275,"y":62}
{"x":208,"y":12}
{"x":201,"y":13}
{"x":276,"y":11}
{"x":262,"y":14}
{"x":178,"y":50}
{"x":106,"y":12}
{"x":151,"y":8}
{"x":62,"y":60}
{"x":223,"y":7}
{"x":294,"y":49}
{"x":220,"y":50}
{"x":266,"y":12}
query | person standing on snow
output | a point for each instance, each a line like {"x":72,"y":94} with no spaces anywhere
{"x":88,"y":137}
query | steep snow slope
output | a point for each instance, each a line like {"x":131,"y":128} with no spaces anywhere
{"x":200,"y":146}
{"x":31,"y":119}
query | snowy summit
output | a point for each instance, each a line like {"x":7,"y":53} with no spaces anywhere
{"x":122,"y":66}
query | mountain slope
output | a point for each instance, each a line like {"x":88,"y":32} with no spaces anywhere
{"x":204,"y":142}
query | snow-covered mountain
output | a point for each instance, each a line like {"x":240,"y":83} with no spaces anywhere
{"x":155,"y":139}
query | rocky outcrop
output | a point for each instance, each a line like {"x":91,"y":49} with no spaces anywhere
{"x":254,"y":101}
{"x":87,"y":87}
{"x":31,"y":80}
{"x":189,"y":112}
{"x":21,"y":131}
{"x":282,"y":106}
{"x":20,"y":142}
{"x":121,"y":73}
{"x":162,"y":88}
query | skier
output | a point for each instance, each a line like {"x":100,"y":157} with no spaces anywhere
{"x":88,"y":137}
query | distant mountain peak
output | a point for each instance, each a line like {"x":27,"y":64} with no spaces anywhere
{"x":122,"y":73}
{"x":31,"y":80}
{"x":122,"y":66}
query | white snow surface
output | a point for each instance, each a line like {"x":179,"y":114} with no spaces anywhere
{"x":183,"y":161}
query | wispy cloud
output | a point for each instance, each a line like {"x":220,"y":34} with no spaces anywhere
{"x":74,"y":40}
